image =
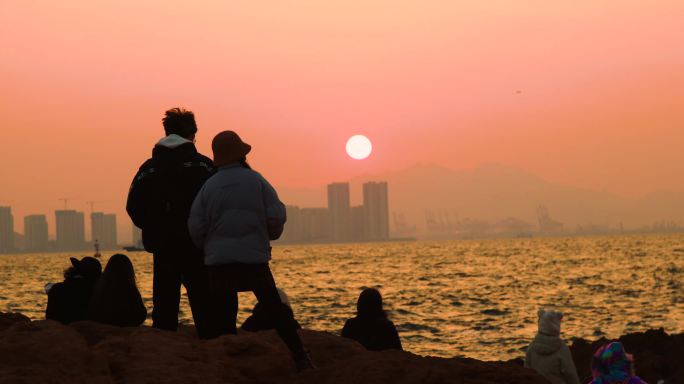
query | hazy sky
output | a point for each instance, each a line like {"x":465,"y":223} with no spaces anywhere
{"x":587,"y":93}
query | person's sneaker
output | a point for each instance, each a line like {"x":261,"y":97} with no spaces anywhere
{"x":303,"y":361}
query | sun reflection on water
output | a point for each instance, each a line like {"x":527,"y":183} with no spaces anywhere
{"x":470,"y":298}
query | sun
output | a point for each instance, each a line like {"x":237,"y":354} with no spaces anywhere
{"x":359,"y":147}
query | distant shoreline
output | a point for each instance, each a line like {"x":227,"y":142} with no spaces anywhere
{"x":328,"y":242}
{"x":87,"y":252}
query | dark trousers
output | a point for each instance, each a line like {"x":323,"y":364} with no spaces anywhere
{"x":226,"y":281}
{"x":169,"y":274}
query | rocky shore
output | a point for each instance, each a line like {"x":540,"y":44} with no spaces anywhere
{"x":658,"y":356}
{"x":86,"y":352}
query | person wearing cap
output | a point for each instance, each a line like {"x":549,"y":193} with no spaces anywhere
{"x":234,"y":217}
{"x":548,"y":354}
{"x":68,"y":301}
{"x":611,"y":364}
{"x":159,"y":202}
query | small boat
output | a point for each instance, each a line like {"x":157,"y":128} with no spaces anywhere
{"x":133,"y":248}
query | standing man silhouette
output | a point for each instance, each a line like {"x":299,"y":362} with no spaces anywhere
{"x":159,"y":202}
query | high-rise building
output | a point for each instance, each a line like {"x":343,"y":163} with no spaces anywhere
{"x":314,"y":224}
{"x":137,"y":236}
{"x":103,"y":227}
{"x":6,"y":230}
{"x":70,"y":230}
{"x":340,"y":211}
{"x":356,"y":232}
{"x":18,"y":241}
{"x":35,"y":233}
{"x":376,"y":211}
{"x":292,"y":230}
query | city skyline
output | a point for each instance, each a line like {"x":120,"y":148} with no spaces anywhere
{"x":340,"y":221}
{"x":655,"y":210}
{"x":459,"y":85}
{"x":69,"y":232}
{"x":446,"y":188}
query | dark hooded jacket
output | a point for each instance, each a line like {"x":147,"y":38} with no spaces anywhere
{"x":162,"y":193}
{"x":121,"y":305}
{"x":374,"y":333}
{"x":68,"y":301}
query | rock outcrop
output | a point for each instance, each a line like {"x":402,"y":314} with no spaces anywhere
{"x":657,"y":355}
{"x":86,"y":352}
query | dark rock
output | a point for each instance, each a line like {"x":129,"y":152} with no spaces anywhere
{"x":657,"y":355}
{"x":86,"y":352}
{"x":9,"y":319}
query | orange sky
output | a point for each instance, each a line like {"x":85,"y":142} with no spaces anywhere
{"x":584,"y":92}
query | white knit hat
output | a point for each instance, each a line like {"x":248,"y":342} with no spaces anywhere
{"x":549,"y":322}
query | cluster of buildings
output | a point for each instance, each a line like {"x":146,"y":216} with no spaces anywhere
{"x":70,"y":231}
{"x":340,"y":221}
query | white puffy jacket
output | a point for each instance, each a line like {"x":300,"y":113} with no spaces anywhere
{"x":234,"y":216}
{"x":551,"y":358}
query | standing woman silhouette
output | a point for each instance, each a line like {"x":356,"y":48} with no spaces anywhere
{"x":116,"y":299}
{"x":233,"y":218}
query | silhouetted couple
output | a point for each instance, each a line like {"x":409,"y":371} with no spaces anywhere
{"x":87,"y":293}
{"x":209,"y":225}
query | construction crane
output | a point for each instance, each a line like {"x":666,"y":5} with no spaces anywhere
{"x":92,"y":205}
{"x":65,"y":200}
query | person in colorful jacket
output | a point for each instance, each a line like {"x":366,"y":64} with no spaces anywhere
{"x":611,"y":364}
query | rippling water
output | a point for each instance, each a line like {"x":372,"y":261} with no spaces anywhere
{"x":469,"y":298}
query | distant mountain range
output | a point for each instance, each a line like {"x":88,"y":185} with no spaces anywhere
{"x":494,"y":193}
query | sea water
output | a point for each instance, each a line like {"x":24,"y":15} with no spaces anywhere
{"x":474,"y":298}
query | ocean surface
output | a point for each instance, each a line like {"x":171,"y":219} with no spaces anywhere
{"x":474,"y":298}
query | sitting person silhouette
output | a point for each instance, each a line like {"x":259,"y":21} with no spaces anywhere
{"x":68,"y":301}
{"x":371,"y":327}
{"x":260,"y":320}
{"x":548,"y":354}
{"x":116,"y":299}
{"x":612,"y":365}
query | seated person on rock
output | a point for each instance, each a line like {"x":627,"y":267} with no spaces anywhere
{"x":260,"y":320}
{"x":68,"y":301}
{"x":548,"y":354}
{"x":611,"y":364}
{"x":116,"y":299}
{"x":371,"y":327}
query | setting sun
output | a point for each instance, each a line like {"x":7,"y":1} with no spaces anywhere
{"x":493,"y":187}
{"x":359,"y":147}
